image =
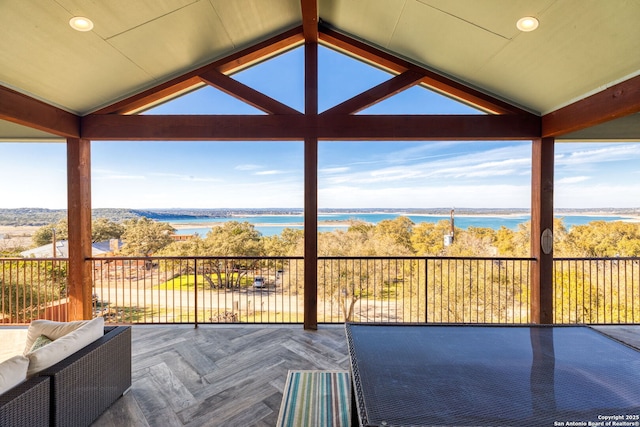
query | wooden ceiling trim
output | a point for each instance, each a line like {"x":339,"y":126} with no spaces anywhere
{"x":309,"y":20}
{"x":378,"y":93}
{"x":617,"y":101}
{"x":229,"y":64}
{"x":150,"y":98}
{"x":259,"y":52}
{"x":245,"y":93}
{"x":433,"y":80}
{"x":298,"y":127}
{"x":362,"y":50}
{"x":26,"y":111}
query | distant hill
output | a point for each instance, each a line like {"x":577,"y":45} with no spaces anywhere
{"x":42,"y":216}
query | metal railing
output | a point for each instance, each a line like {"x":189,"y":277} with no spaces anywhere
{"x":198,"y":289}
{"x":432,"y":289}
{"x":596,"y":290}
{"x":195,"y":290}
{"x":32,"y":289}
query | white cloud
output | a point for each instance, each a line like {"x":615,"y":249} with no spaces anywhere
{"x":121,"y":177}
{"x":248,"y":167}
{"x":422,"y":151}
{"x":110,"y":174}
{"x":333,"y":170}
{"x":183,"y":177}
{"x":269,"y":172}
{"x":500,"y":162}
{"x":571,"y":180}
{"x":201,"y":179}
{"x":479,"y":196}
{"x":484,"y":169}
{"x":601,"y":153}
{"x":167,"y":175}
{"x":597,"y":196}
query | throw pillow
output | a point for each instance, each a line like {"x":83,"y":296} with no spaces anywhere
{"x":50,"y":328}
{"x":41,"y":341}
{"x":65,"y":346}
{"x":12,"y":372}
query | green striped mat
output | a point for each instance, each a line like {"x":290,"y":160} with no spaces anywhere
{"x":316,"y":398}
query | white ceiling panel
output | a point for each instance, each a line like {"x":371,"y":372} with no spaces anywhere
{"x":580,"y":47}
{"x":372,"y":20}
{"x":16,"y":133}
{"x":576,"y":51}
{"x":622,"y":129}
{"x":247,"y":21}
{"x":443,"y":41}
{"x":49,"y":61}
{"x":496,"y":16}
{"x":176,"y":42}
{"x":113,"y":17}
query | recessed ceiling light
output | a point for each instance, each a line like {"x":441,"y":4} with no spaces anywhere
{"x":528,"y":23}
{"x":80,"y":23}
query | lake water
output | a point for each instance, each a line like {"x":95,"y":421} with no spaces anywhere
{"x":270,"y":225}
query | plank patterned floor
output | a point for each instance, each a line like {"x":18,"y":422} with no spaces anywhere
{"x":217,"y":375}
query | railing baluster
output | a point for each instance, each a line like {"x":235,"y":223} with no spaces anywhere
{"x":195,"y":296}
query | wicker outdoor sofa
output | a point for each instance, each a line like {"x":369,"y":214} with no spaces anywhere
{"x":75,"y":391}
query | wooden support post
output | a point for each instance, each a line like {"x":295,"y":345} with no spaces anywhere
{"x":79,"y":282}
{"x":311,"y":191}
{"x":311,"y":233}
{"x":542,"y":165}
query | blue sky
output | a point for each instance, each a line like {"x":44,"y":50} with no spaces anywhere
{"x":351,"y":174}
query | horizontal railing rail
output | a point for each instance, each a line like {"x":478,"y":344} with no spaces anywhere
{"x":196,"y":290}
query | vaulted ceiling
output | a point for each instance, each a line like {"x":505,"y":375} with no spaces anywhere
{"x":582,"y":60}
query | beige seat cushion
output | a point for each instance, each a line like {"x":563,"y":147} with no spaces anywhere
{"x":68,"y":337}
{"x":13,"y":371}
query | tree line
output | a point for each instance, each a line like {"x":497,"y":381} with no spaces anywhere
{"x":393,"y":237}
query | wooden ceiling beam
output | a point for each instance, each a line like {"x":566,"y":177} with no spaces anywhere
{"x":298,"y":127}
{"x":428,"y":127}
{"x":378,"y":93}
{"x":226,"y":65}
{"x":193,"y":127}
{"x":309,"y":20}
{"x":245,"y":93}
{"x":436,"y":81}
{"x":617,"y":101}
{"x":26,"y":111}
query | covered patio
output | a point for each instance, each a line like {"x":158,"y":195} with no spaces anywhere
{"x":574,"y":78}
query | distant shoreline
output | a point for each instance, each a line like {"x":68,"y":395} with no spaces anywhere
{"x":188,"y":225}
{"x":346,"y":223}
{"x":187,"y":221}
{"x":21,"y":235}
